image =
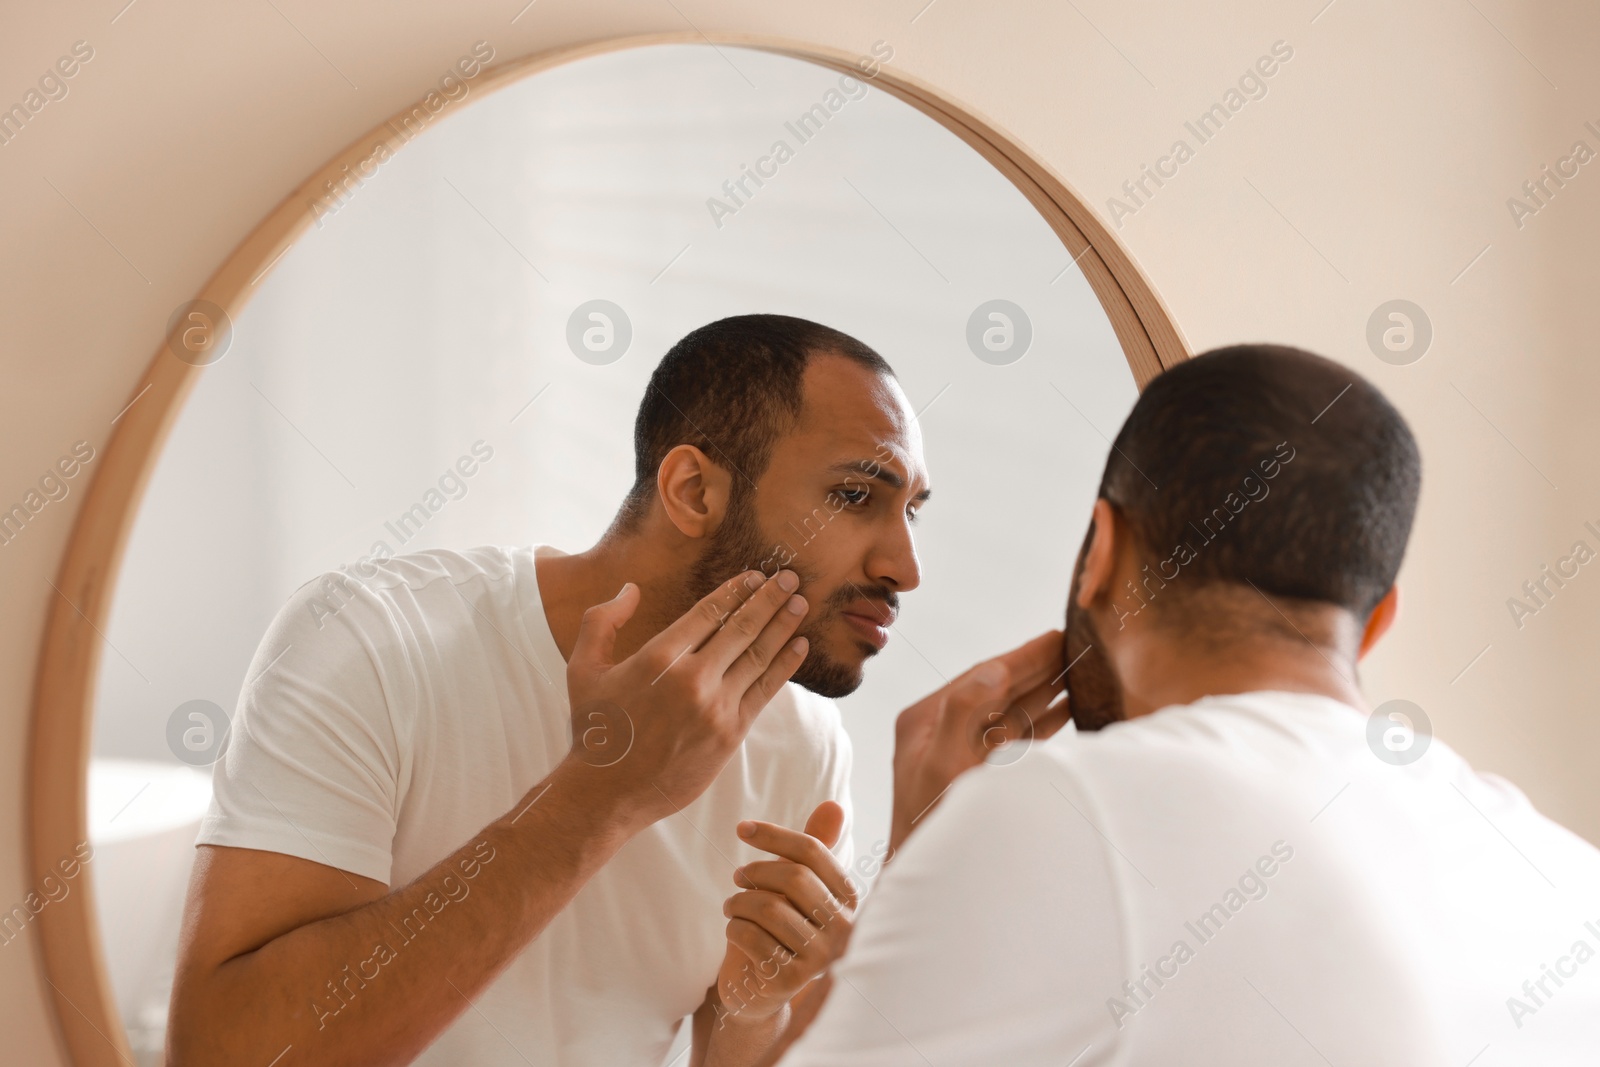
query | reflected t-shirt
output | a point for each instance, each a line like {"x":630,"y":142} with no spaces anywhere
{"x":386,"y":720}
{"x":1239,"y":881}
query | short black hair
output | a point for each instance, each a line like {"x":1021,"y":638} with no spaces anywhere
{"x":731,"y":388}
{"x":1273,"y":467}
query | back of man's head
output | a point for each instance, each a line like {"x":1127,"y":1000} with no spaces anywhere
{"x":1267,"y":466}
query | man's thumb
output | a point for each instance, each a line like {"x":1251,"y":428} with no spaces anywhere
{"x":826,"y":823}
{"x":597,"y":632}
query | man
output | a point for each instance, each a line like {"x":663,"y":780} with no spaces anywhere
{"x":484,"y":812}
{"x":1230,"y":861}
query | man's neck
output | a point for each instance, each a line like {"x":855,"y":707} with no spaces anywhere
{"x":571,"y":584}
{"x":1315,"y":653}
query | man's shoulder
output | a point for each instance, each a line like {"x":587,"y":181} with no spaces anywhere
{"x":416,"y":571}
{"x":375,"y":608}
{"x":1189,"y":761}
{"x":1220,"y":732}
{"x":390,"y":582}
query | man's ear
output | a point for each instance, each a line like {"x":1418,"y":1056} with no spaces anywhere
{"x":694,"y":491}
{"x":1380,"y":620}
{"x":1100,"y":561}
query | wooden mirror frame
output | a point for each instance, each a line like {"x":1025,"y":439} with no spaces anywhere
{"x":63,"y":706}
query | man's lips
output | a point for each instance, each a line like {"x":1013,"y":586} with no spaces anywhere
{"x":871,"y":621}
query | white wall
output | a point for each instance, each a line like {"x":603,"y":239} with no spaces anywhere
{"x":1389,"y":146}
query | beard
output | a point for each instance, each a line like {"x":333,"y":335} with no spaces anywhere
{"x":738,"y":545}
{"x":1092,"y":684}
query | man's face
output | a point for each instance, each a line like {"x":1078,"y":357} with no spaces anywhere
{"x":835,"y":505}
{"x":1092,"y":684}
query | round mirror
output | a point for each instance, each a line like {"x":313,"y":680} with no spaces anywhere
{"x":454,"y":353}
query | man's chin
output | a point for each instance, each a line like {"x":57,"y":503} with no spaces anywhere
{"x":828,"y":676}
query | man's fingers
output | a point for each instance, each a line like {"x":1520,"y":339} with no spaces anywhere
{"x":1002,"y":693}
{"x":1031,"y":716}
{"x":1034,"y":702}
{"x":753,"y":661}
{"x":758,"y":946}
{"x":826,"y":823}
{"x":969,"y":704}
{"x":776,"y":915}
{"x":1035,"y":662}
{"x":691,"y":630}
{"x":747,"y":624}
{"x":1054,"y":717}
{"x":800,"y":885}
{"x":597,"y":631}
{"x":796,"y":845}
{"x":764,"y":688}
{"x":1034,"y":714}
{"x":816,"y":887}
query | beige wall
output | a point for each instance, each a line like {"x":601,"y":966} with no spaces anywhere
{"x":1377,"y":166}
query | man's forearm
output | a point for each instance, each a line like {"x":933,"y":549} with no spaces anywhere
{"x":378,"y":983}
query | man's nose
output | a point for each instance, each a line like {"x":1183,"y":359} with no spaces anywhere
{"x":894,"y":561}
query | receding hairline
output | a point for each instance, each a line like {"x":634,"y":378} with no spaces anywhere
{"x":734,"y":388}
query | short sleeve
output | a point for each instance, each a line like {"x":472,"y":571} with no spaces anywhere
{"x":991,"y":938}
{"x":315,"y":761}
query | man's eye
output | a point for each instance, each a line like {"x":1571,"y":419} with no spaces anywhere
{"x":853,"y":496}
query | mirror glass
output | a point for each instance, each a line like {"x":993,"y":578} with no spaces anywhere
{"x":445,"y":306}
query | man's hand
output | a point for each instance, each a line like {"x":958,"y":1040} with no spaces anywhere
{"x":655,"y":729}
{"x":792,"y":919}
{"x":947,"y":733}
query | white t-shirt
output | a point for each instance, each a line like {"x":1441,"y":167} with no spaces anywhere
{"x":379,"y":729}
{"x":1272,"y":893}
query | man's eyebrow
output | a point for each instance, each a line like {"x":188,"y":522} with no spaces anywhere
{"x":875,"y":470}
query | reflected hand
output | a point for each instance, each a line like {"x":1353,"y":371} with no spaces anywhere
{"x":652,"y":731}
{"x":954,"y":729}
{"x":792,"y":919}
